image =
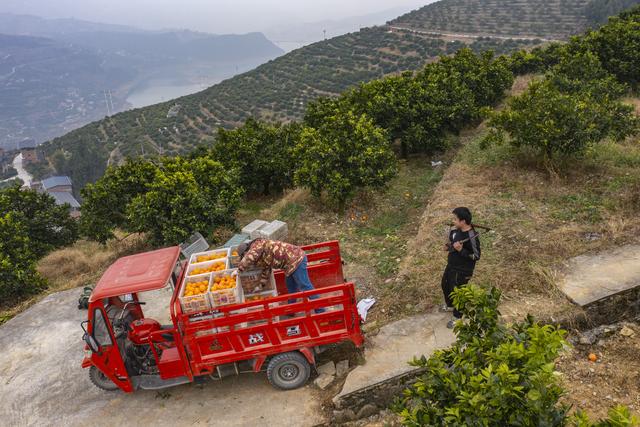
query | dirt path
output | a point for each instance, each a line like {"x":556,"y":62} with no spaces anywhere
{"x":43,"y":384}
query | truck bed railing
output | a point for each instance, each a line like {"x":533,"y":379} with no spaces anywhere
{"x":272,"y":326}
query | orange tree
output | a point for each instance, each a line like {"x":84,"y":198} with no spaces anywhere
{"x":261,"y":152}
{"x":494,"y":374}
{"x":167,"y":198}
{"x":47,"y":225}
{"x":346,"y":152}
{"x":18,"y":276}
{"x":105,"y":202}
{"x":185,"y":196}
{"x":575,"y":106}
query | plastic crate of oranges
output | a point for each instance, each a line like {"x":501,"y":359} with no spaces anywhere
{"x":224,"y":288}
{"x":209,"y":256}
{"x":195,"y":294}
{"x":206,"y":267}
{"x":234,"y":257}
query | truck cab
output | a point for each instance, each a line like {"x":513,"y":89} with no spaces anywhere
{"x":138,"y":337}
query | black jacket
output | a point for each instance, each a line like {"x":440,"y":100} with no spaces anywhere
{"x":465,"y":260}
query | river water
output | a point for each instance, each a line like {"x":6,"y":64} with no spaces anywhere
{"x":156,"y":92}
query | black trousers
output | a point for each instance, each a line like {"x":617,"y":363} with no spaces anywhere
{"x":451,"y":279}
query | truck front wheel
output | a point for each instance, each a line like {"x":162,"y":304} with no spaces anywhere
{"x":287,"y":371}
{"x":100,"y":380}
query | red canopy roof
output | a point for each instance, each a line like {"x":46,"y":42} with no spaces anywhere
{"x":137,"y":273}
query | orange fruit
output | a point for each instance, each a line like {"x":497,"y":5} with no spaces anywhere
{"x":593,"y":357}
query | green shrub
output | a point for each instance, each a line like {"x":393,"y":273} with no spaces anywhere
{"x":185,"y":196}
{"x":617,"y":45}
{"x":494,"y":374}
{"x":47,"y":225}
{"x":345,"y":153}
{"x":104,"y":205}
{"x":168,"y":198}
{"x":554,"y":122}
{"x":18,"y":276}
{"x":261,"y":152}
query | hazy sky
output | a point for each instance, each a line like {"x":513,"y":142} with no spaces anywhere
{"x":215,"y":16}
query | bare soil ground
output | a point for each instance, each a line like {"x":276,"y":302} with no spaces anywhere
{"x":613,"y":379}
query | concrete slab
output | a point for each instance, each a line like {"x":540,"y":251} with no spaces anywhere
{"x":42,"y":384}
{"x":397,"y":343}
{"x":591,"y":278}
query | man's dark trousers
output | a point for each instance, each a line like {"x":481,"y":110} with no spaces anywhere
{"x":451,"y":279}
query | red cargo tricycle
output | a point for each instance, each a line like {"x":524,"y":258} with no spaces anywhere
{"x":281,"y":334}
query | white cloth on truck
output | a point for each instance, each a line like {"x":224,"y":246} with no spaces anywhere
{"x":364,"y":306}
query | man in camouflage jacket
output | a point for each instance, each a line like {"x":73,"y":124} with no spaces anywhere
{"x":272,"y":254}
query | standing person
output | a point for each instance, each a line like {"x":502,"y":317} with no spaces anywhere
{"x":272,"y":254}
{"x":461,"y":260}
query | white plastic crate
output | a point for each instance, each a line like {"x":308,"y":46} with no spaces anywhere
{"x":252,"y":228}
{"x":234,"y":260}
{"x":250,"y":282}
{"x":205,"y":265}
{"x":225,"y":296}
{"x":193,"y":303}
{"x":260,"y":295}
{"x":277,"y":230}
{"x":223,"y":253}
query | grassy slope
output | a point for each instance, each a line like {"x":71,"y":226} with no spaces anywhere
{"x":541,"y":219}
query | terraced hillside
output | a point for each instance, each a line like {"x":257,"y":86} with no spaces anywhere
{"x":541,"y":18}
{"x":277,"y":90}
{"x":281,"y":89}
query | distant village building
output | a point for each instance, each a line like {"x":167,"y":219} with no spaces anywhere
{"x":173,"y":111}
{"x":61,"y":189}
{"x":57,"y":183}
{"x":31,"y":155}
{"x":62,"y":197}
{"x":6,"y":159}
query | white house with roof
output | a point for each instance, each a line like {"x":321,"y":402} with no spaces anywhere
{"x":57,"y":183}
{"x":61,"y":189}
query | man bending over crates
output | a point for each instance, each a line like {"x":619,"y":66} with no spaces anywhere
{"x":272,"y":254}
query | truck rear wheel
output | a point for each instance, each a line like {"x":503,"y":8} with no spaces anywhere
{"x":287,"y":371}
{"x":100,"y":380}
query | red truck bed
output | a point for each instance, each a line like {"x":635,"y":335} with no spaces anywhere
{"x":259,"y":329}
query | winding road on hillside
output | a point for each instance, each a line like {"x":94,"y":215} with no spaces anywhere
{"x":469,"y":36}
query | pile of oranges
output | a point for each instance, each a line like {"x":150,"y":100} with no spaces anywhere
{"x":223,"y":282}
{"x":216,"y":266}
{"x":196,"y":288}
{"x":211,"y":257}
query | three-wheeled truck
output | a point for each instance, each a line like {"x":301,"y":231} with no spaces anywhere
{"x":126,"y":349}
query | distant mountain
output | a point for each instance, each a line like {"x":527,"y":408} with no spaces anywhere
{"x":280,"y":89}
{"x":54,"y":73}
{"x":29,"y":25}
{"x":48,"y":88}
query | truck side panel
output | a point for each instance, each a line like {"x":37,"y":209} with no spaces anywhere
{"x":262,"y":328}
